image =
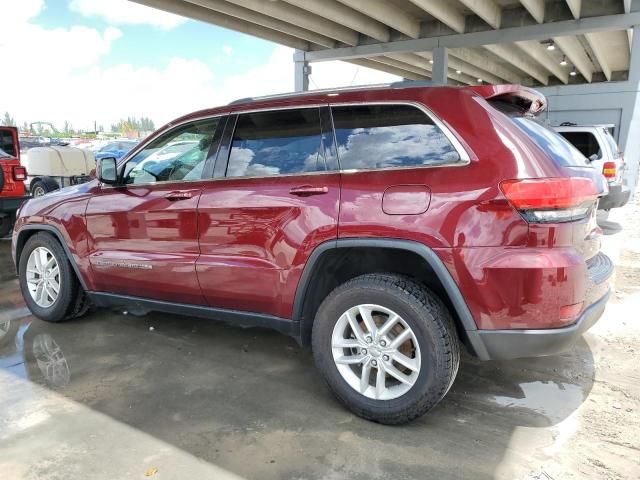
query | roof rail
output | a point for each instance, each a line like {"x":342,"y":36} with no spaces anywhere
{"x":401,"y":84}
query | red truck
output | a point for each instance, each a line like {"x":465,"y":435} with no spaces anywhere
{"x":12,"y":177}
{"x":385,"y":227}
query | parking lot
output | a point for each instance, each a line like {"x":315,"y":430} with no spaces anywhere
{"x":118,"y":396}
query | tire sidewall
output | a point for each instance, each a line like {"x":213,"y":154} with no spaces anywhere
{"x":411,"y":311}
{"x":57,"y":311}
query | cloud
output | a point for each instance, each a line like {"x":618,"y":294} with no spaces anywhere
{"x":78,"y":87}
{"x":20,"y":12}
{"x":227,"y":50}
{"x":126,"y":12}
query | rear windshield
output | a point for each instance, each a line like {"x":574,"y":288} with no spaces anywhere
{"x":555,"y":145}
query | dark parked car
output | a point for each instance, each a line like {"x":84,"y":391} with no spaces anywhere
{"x":386,"y":228}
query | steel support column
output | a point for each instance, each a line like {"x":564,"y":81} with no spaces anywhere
{"x":302,"y":70}
{"x":439,"y":73}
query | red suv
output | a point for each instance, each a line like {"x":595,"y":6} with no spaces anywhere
{"x":12,"y":177}
{"x":385,"y":227}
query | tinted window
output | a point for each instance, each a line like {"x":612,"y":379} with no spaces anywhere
{"x":559,"y":149}
{"x":7,"y":145}
{"x":379,"y":136}
{"x":280,"y":142}
{"x":586,"y":142}
{"x":155,"y":164}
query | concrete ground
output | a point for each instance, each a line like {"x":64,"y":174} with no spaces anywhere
{"x":111,"y":396}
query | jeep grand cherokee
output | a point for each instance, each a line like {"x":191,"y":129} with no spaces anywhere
{"x":385,"y":227}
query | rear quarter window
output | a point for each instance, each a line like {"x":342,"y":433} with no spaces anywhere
{"x":555,"y":145}
{"x":386,"y":136}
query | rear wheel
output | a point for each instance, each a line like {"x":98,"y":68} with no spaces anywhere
{"x":386,"y":346}
{"x":47,"y":281}
{"x":43,"y":185}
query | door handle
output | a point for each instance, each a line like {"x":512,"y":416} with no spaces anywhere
{"x":307,"y":190}
{"x":175,"y":196}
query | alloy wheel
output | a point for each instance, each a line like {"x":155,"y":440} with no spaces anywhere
{"x":376,"y":352}
{"x":43,"y":277}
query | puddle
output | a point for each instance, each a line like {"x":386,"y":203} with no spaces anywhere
{"x":554,"y":400}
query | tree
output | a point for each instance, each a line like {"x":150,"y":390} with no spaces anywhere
{"x":8,"y":120}
{"x":132,"y":125}
{"x":67,"y":127}
{"x":25,"y":128}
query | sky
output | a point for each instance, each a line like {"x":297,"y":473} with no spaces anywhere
{"x":96,"y":60}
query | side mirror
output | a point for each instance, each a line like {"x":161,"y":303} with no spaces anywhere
{"x":593,"y":156}
{"x":107,"y":170}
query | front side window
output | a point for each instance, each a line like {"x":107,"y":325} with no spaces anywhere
{"x":178,"y":155}
{"x":277,"y":143}
{"x":383,"y":136}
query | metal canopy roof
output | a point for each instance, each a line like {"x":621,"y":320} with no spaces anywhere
{"x":488,"y":41}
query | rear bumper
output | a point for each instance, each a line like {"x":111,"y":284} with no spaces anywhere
{"x":509,"y":344}
{"x":11,"y":204}
{"x":618,"y":196}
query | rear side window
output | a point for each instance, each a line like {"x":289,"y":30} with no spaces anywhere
{"x":586,"y":142}
{"x":383,"y":136}
{"x":276,"y":143}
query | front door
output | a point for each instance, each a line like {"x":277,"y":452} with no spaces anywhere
{"x":143,"y":234}
{"x":275,"y":199}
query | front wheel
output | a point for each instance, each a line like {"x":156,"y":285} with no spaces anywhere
{"x":386,"y":347}
{"x":47,"y":280}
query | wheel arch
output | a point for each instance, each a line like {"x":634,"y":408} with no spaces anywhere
{"x":419,"y":261}
{"x":27,"y":231}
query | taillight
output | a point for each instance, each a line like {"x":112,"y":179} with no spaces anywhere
{"x":551,"y":200}
{"x":19,"y":174}
{"x":609,"y":170}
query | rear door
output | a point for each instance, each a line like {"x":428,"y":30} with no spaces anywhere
{"x":274,"y":199}
{"x":143,"y":235}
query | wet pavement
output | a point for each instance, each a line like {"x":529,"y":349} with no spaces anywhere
{"x":118,"y":396}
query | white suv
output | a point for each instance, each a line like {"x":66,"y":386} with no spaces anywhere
{"x":597,"y":144}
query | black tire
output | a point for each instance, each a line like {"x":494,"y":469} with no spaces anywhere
{"x":434,"y":329}
{"x":72,"y":300}
{"x":43,"y":185}
{"x":6,"y":224}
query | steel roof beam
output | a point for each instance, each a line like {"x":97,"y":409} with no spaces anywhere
{"x":535,"y":8}
{"x":461,"y":40}
{"x":388,"y":14}
{"x":302,"y":18}
{"x":265,"y":20}
{"x":339,"y":13}
{"x":574,"y":51}
{"x":488,"y":10}
{"x":226,"y":21}
{"x":539,"y":53}
{"x":444,"y":11}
